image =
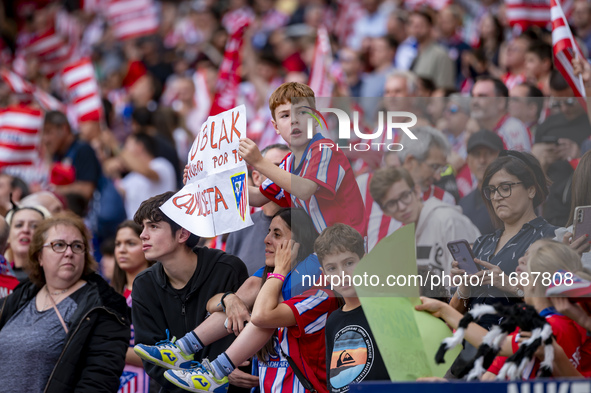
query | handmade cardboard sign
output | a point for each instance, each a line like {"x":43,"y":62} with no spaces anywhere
{"x":214,"y":200}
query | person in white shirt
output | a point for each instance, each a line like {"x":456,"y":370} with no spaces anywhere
{"x":148,"y":176}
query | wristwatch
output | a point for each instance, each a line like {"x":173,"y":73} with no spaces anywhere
{"x":519,"y":292}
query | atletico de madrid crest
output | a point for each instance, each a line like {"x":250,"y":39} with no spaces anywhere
{"x":239,"y":187}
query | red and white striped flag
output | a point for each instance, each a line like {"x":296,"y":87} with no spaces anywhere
{"x":526,"y":13}
{"x":91,"y":6}
{"x":565,"y":49}
{"x":80,"y":83}
{"x":21,"y":86}
{"x":16,"y":82}
{"x":348,"y":12}
{"x":132,"y":18}
{"x":52,"y":49}
{"x":19,"y":135}
{"x":226,"y":89}
{"x":320,"y":81}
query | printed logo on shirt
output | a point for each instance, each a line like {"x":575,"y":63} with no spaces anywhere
{"x":238,"y":185}
{"x":352,"y":357}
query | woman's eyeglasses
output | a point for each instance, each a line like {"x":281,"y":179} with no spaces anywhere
{"x":503,"y":189}
{"x":61,"y":246}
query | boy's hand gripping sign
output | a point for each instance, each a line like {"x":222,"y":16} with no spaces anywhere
{"x":215,"y":199}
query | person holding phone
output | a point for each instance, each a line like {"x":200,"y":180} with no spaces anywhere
{"x":580,"y":197}
{"x":513,"y":186}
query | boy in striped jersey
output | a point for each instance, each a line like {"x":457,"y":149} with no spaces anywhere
{"x":352,"y":355}
{"x":315,"y":176}
{"x":297,"y":326}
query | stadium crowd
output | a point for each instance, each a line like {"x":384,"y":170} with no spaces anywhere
{"x":101,"y":100}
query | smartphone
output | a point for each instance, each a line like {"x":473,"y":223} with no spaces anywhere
{"x":549,"y":139}
{"x":462,"y":252}
{"x":582,"y":222}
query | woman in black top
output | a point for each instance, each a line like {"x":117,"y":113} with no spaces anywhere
{"x":514,"y":185}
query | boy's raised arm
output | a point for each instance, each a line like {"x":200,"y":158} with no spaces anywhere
{"x":256,"y":197}
{"x":301,"y":188}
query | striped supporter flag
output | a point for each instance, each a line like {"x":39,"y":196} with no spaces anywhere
{"x":565,"y":49}
{"x":132,"y":18}
{"x":53,"y":50}
{"x":19,"y":135}
{"x":320,"y":81}
{"x":80,"y":83}
{"x":526,"y":13}
{"x":21,"y":86}
{"x":226,"y":89}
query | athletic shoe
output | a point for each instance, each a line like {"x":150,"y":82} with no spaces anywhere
{"x":164,"y":354}
{"x":199,"y":378}
{"x":571,"y":286}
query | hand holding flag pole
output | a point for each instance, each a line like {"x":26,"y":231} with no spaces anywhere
{"x":565,"y":49}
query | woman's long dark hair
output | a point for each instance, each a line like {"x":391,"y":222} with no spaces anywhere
{"x":302,"y":232}
{"x":119,"y":281}
{"x":523,"y":166}
{"x":580,"y":195}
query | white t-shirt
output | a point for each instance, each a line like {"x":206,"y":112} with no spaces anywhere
{"x":138,"y":187}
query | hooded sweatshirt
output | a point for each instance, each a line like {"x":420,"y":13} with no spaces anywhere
{"x":440,"y":223}
{"x":158,"y":307}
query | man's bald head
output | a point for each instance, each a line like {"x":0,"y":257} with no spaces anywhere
{"x":46,"y":199}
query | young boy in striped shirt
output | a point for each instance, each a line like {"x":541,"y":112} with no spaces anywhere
{"x":315,"y":176}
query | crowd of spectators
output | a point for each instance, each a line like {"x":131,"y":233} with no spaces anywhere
{"x":499,"y":157}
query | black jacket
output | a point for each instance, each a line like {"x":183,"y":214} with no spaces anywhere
{"x":93,"y":355}
{"x":158,"y":307}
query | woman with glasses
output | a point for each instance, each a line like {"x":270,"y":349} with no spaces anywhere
{"x":66,"y":326}
{"x":513,"y":186}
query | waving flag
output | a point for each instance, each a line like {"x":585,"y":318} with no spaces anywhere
{"x":16,"y":82}
{"x":348,"y":12}
{"x":52,"y":48}
{"x":526,"y":13}
{"x":21,"y":86}
{"x":132,"y":18}
{"x":320,"y":81}
{"x":80,"y":83}
{"x":226,"y":89}
{"x":565,"y":49}
{"x":19,"y":135}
